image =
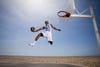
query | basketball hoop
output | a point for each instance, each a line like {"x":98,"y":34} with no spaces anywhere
{"x":64,"y":14}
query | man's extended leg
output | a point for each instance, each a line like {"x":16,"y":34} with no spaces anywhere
{"x":36,"y":39}
{"x":49,"y":37}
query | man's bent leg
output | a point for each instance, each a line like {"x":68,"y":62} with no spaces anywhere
{"x":38,"y":36}
{"x":36,"y":39}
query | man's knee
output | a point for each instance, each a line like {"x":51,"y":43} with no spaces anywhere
{"x":40,"y":34}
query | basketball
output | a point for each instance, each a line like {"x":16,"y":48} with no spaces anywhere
{"x":32,"y":29}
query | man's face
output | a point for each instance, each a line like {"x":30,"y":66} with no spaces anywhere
{"x":46,"y":22}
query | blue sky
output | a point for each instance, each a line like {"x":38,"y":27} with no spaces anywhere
{"x":77,"y":37}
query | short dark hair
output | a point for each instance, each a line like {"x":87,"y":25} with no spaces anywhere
{"x":46,"y":21}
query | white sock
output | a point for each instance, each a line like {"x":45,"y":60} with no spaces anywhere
{"x":34,"y":43}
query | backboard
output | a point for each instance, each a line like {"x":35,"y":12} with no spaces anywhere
{"x":68,"y":5}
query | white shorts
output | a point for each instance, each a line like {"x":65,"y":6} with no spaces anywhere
{"x":48,"y":35}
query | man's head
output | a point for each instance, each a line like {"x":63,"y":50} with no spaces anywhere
{"x":46,"y":22}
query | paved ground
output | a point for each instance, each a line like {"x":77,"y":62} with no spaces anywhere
{"x":34,"y":65}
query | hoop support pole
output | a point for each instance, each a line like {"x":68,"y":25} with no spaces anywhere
{"x":95,"y":26}
{"x":81,"y":16}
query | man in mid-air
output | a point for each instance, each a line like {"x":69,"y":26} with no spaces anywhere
{"x":47,"y":33}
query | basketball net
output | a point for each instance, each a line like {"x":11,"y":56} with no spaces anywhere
{"x":63,"y":20}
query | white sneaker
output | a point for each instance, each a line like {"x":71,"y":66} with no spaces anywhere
{"x":32,"y":44}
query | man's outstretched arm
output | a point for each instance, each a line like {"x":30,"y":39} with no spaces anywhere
{"x":39,"y":29}
{"x":55,"y":27}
